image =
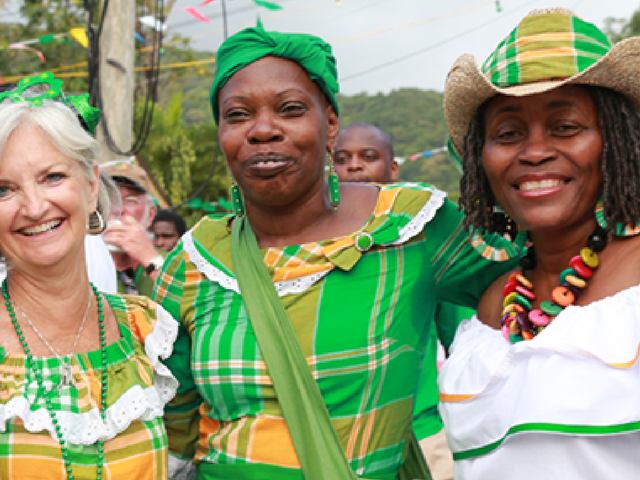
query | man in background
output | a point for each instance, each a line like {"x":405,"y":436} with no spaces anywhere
{"x":167,"y":228}
{"x":364,"y":153}
{"x":127,"y":235}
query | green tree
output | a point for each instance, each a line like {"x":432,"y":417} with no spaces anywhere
{"x":184,"y":158}
{"x":619,"y":28}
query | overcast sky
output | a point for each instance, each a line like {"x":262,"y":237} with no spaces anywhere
{"x":417,"y":40}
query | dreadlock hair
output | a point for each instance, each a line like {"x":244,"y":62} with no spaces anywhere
{"x":619,"y":124}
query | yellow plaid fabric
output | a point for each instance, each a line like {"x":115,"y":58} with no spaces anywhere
{"x":135,"y":444}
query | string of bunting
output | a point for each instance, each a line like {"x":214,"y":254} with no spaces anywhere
{"x":80,"y":35}
{"x":427,"y":153}
{"x":195,"y":13}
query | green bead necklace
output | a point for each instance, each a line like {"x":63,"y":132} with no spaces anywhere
{"x":30,"y":363}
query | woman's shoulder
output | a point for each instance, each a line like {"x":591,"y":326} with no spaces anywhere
{"x":401,"y":203}
{"x":211,"y":229}
{"x":146,"y":321}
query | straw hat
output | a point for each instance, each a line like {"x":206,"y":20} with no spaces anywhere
{"x":130,"y":175}
{"x":549,"y":48}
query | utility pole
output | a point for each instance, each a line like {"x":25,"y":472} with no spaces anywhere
{"x":117,"y":52}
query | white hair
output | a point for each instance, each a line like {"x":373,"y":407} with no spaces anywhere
{"x":61,"y":125}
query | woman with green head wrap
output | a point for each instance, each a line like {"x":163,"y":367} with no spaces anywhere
{"x":359,"y":281}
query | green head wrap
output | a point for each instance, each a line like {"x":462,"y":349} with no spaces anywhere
{"x":251,"y":44}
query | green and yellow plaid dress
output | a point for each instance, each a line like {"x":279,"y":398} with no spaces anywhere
{"x":135,"y":441}
{"x":362,"y":317}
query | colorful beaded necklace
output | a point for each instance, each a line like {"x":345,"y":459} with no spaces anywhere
{"x":520,"y":321}
{"x":31,"y":363}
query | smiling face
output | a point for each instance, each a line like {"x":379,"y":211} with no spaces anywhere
{"x":275,"y":129}
{"x":542,"y":157}
{"x":45,"y":200}
{"x":363,"y":155}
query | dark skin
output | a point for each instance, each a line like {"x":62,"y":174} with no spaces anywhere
{"x":276,"y":127}
{"x":542,"y":158}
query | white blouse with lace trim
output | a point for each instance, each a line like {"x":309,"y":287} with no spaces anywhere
{"x":136,"y":403}
{"x":299,"y":285}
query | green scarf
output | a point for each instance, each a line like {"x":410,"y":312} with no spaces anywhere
{"x":251,"y":44}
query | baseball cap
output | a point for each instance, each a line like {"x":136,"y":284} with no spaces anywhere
{"x":129,"y":175}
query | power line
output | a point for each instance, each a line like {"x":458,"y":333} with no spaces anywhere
{"x":426,"y":49}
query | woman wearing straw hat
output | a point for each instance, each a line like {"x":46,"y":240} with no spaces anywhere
{"x":547,"y":386}
{"x":304,"y":317}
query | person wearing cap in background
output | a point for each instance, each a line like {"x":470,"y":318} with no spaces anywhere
{"x":137,"y":260}
{"x":364,"y":153}
{"x":543,"y":383}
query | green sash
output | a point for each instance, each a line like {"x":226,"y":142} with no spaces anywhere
{"x":316,"y":442}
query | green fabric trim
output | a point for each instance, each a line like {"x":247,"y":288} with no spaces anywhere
{"x":210,"y":471}
{"x":549,"y":427}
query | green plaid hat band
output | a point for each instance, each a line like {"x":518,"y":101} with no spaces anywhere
{"x":553,"y":46}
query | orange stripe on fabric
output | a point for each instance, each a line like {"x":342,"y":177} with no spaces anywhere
{"x":137,"y":466}
{"x":351,"y":445}
{"x":27,"y":438}
{"x":629,"y":363}
{"x":452,"y":398}
{"x":553,"y":36}
{"x":335,"y":247}
{"x":143,"y":371}
{"x":32,"y":466}
{"x":272,"y":256}
{"x":386,"y":200}
{"x":283,"y":274}
{"x":272,"y":443}
{"x":190,"y":276}
{"x":140,"y":327}
{"x":555,"y":52}
{"x":234,"y":437}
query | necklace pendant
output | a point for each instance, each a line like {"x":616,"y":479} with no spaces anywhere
{"x":66,"y":377}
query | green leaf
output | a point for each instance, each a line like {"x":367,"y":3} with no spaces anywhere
{"x":47,"y":38}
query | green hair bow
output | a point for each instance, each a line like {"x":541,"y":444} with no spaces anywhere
{"x":45,"y":86}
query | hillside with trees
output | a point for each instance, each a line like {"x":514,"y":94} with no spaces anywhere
{"x":182,"y":150}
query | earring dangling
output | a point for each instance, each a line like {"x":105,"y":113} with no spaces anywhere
{"x":334,"y":184}
{"x":95,"y":224}
{"x":236,"y":198}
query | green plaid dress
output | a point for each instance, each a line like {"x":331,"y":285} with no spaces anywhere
{"x":363,"y":319}
{"x":138,"y":386}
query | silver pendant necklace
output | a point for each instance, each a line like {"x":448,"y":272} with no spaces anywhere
{"x":66,"y":376}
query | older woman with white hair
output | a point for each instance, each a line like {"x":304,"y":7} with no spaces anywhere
{"x":83,"y":388}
